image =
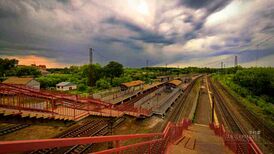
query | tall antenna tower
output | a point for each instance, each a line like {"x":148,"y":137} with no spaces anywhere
{"x":90,"y":55}
{"x":236,"y":61}
{"x":90,"y":73}
{"x":222,"y":64}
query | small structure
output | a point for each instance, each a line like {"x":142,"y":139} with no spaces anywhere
{"x":133,"y":85}
{"x":44,"y":67}
{"x":65,"y":86}
{"x":29,"y":82}
{"x":41,"y":68}
{"x":44,"y":72}
{"x":173,"y":84}
{"x":185,"y":79}
{"x":164,"y":78}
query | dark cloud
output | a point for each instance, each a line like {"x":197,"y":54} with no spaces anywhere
{"x":142,"y":34}
{"x":210,"y":5}
{"x":196,"y":3}
{"x":126,"y":42}
{"x":61,"y":29}
{"x":9,"y":9}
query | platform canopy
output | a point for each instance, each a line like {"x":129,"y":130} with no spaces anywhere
{"x":175,"y":83}
{"x":132,"y":83}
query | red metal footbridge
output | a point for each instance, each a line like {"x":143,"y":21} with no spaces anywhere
{"x":149,"y":143}
{"x":157,"y":143}
{"x":29,"y":102}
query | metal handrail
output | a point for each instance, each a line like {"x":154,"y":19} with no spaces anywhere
{"x":171,"y":133}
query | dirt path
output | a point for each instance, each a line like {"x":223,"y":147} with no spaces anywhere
{"x":203,"y":110}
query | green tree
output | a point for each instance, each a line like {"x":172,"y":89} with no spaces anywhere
{"x":258,"y":80}
{"x":118,"y":80}
{"x":27,"y":71}
{"x":113,"y":69}
{"x":94,"y":72}
{"x":6,"y":65}
{"x":52,"y":79}
{"x":102,"y":84}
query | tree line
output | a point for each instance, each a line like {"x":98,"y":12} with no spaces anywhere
{"x":259,"y":81}
{"x":10,"y":67}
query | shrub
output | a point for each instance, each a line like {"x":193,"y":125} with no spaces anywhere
{"x":102,"y":84}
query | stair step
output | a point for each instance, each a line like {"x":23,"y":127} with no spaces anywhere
{"x":179,"y":140}
{"x":190,"y":144}
{"x":184,"y":141}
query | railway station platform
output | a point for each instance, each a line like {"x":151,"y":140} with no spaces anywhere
{"x":199,"y":139}
{"x":120,"y":97}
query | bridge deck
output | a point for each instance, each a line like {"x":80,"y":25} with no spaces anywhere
{"x":199,"y":139}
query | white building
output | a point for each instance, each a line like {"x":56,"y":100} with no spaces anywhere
{"x":64,"y":86}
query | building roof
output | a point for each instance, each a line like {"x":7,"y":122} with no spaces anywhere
{"x":133,"y":83}
{"x":17,"y":80}
{"x":65,"y":84}
{"x":175,"y":82}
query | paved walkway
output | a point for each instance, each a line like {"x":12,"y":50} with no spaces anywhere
{"x":203,"y":110}
{"x":199,"y":139}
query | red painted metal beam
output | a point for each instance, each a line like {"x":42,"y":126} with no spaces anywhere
{"x":29,"y":145}
{"x":50,"y":95}
{"x":135,"y":146}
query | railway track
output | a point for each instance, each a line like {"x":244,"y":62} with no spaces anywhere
{"x":176,"y":115}
{"x":12,"y":128}
{"x":230,"y":120}
{"x":88,"y":128}
{"x":94,"y":127}
{"x":100,"y":131}
{"x":256,"y":122}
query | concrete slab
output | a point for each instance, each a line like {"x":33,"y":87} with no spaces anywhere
{"x":200,"y":139}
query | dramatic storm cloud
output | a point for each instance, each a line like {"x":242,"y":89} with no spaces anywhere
{"x":184,"y":32}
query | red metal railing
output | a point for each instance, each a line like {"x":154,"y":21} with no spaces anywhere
{"x":52,"y":100}
{"x":234,"y":140}
{"x":151,"y":142}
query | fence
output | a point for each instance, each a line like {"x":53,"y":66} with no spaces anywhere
{"x":236,"y":142}
{"x":151,"y":143}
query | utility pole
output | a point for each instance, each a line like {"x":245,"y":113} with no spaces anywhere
{"x":222,"y":64}
{"x":90,"y":73}
{"x":236,"y":61}
{"x":147,"y":63}
{"x":166,"y":69}
{"x":90,"y":55}
{"x":224,"y":69}
{"x":178,"y":70}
